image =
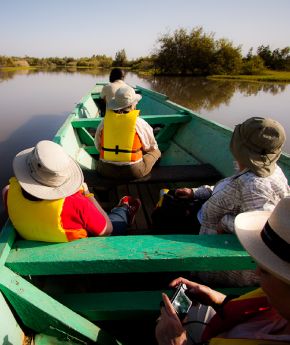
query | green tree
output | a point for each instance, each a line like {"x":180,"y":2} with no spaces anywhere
{"x":196,"y":53}
{"x":253,"y":65}
{"x":120,"y":58}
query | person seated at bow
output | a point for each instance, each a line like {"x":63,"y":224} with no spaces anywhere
{"x":126,"y":143}
{"x":258,"y":317}
{"x":116,"y":79}
{"x":48,"y":201}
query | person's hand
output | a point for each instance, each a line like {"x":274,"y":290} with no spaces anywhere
{"x":201,"y":293}
{"x":186,"y":193}
{"x":169,"y":329}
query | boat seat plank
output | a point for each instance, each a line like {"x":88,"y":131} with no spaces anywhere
{"x":203,"y":173}
{"x":125,"y":254}
{"x":122,"y":305}
{"x":151,"y":119}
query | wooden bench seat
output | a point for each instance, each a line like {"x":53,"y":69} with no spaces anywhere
{"x":203,"y":173}
{"x":112,"y":267}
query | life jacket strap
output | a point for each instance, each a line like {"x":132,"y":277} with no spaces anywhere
{"x":116,"y":150}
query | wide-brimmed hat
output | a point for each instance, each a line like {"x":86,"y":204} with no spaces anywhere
{"x":257,"y":144}
{"x":266,"y":237}
{"x":124,"y":97}
{"x":47,"y":172}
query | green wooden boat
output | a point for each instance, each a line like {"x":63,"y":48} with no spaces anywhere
{"x":107,"y":290}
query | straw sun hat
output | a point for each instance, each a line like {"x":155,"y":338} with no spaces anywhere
{"x":266,"y":237}
{"x":124,"y":97}
{"x":47,"y":172}
{"x":257,"y":144}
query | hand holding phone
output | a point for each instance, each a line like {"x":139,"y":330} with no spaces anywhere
{"x":180,"y":301}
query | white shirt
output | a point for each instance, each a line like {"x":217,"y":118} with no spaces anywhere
{"x":109,"y":90}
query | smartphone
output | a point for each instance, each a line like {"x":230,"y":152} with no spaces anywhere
{"x":180,"y":301}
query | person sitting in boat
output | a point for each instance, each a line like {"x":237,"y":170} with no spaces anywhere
{"x":116,"y":79}
{"x":259,"y":317}
{"x":259,"y":184}
{"x":48,"y":201}
{"x":128,"y":149}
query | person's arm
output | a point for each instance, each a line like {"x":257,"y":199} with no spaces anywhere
{"x":201,"y":293}
{"x":201,"y":193}
{"x":4,"y":196}
{"x":146,"y":135}
{"x":108,"y":227}
{"x":98,"y":135}
{"x":255,"y":194}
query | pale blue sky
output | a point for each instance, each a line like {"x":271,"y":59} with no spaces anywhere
{"x":78,"y":28}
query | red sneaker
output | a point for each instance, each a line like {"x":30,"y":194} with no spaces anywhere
{"x":133,"y":205}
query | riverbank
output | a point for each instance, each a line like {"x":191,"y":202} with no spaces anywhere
{"x":268,"y":76}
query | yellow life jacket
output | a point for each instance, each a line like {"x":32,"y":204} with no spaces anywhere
{"x":38,"y":220}
{"x":252,"y":300}
{"x":119,"y":140}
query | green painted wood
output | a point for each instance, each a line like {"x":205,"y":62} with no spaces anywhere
{"x":167,"y":132}
{"x":42,"y":313}
{"x":7,"y":237}
{"x":114,"y":305}
{"x":151,"y":119}
{"x":124,"y":254}
{"x":10,"y":331}
{"x":85,"y":136}
{"x":129,"y":305}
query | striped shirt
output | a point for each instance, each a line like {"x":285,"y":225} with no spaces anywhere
{"x":242,"y":192}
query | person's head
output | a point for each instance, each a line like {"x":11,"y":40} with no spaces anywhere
{"x":116,"y":74}
{"x":47,"y":172}
{"x":257,"y":144}
{"x":125,"y":99}
{"x":266,"y":237}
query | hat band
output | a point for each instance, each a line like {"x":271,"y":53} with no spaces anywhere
{"x":274,"y":242}
{"x":45,"y":178}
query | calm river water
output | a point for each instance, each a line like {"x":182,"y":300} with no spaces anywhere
{"x":35,"y":103}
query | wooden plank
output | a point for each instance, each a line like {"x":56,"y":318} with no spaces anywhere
{"x":128,"y":305}
{"x":42,"y":313}
{"x":151,"y":119}
{"x":10,"y":331}
{"x":7,"y":237}
{"x":85,"y":137}
{"x":202,"y":173}
{"x":121,"y":254}
{"x":114,"y":305}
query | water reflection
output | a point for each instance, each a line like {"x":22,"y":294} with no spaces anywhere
{"x":208,"y":94}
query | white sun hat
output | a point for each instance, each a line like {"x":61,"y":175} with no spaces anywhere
{"x":47,"y":172}
{"x":124,"y":97}
{"x":265,"y":236}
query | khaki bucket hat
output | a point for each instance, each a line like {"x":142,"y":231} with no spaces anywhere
{"x":124,"y":97}
{"x":257,"y":144}
{"x":265,"y":236}
{"x":47,"y":172}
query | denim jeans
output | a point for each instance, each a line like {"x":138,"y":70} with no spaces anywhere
{"x":119,"y":219}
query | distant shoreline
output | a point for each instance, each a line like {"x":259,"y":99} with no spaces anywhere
{"x":268,"y":76}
